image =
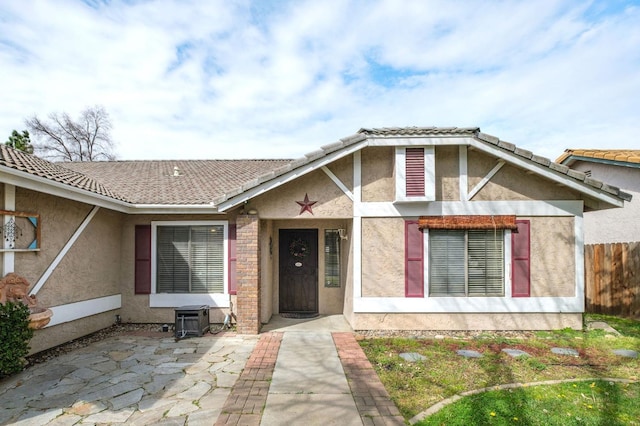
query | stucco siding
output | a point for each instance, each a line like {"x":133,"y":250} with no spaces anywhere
{"x":447,"y":173}
{"x":280,"y":203}
{"x":343,"y":169}
{"x":458,"y":321}
{"x":378,"y":183}
{"x":383,"y":257}
{"x":50,"y":337}
{"x":511,"y":183}
{"x":59,"y":219}
{"x":91,"y":267}
{"x":553,"y":266}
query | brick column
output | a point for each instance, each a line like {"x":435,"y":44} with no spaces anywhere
{"x":248,"y":274}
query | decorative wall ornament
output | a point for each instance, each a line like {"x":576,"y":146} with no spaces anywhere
{"x":11,"y":231}
{"x":22,"y":230}
{"x":306,"y":204}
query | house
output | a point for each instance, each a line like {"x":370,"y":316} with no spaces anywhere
{"x":394,"y":228}
{"x":617,"y":167}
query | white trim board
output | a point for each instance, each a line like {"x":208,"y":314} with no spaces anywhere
{"x":289,"y":176}
{"x":463,"y":173}
{"x":513,"y":305}
{"x":444,"y":208}
{"x":9,"y":203}
{"x":175,"y":300}
{"x":86,"y":308}
{"x":356,"y":232}
{"x":429,"y":175}
{"x":338,"y":182}
{"x":485,"y":180}
{"x":52,"y":267}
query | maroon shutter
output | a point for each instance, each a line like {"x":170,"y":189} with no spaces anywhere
{"x":414,"y":260}
{"x":232,"y":259}
{"x":143,"y":259}
{"x":521,"y":260}
{"x":414,"y":171}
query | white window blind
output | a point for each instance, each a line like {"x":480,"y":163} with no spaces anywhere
{"x":485,"y":263}
{"x":190,"y":259}
{"x":466,"y":263}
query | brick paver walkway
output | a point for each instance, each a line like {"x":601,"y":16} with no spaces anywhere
{"x":373,"y":401}
{"x":247,"y":399}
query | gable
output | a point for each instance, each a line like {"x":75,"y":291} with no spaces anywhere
{"x":512,"y":183}
{"x":329,"y":201}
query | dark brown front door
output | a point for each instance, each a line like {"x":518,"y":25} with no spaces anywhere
{"x":299,"y":270}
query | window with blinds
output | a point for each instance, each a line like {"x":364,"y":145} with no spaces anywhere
{"x":331,"y":258}
{"x":466,"y":262}
{"x":190,"y":259}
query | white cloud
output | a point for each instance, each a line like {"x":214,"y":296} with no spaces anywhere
{"x":250,"y":79}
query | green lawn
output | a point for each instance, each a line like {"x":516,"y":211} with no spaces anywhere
{"x":415,"y":386}
{"x":581,"y":403}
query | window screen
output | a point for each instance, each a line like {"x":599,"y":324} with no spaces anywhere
{"x":190,"y":259}
{"x":466,"y":262}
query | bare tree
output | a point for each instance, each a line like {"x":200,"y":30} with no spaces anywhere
{"x":63,"y":139}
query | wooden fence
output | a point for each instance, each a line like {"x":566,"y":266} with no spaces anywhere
{"x":612,"y":279}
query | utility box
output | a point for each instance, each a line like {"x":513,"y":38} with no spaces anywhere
{"x":192,"y":321}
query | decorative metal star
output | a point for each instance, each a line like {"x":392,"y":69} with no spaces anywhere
{"x":306,"y":204}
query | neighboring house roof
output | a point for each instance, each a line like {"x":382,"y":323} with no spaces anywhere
{"x":226,"y":183}
{"x":620,"y":157}
{"x":155,"y":182}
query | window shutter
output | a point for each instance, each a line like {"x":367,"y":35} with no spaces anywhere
{"x":414,"y":260}
{"x":233,"y":283}
{"x":414,"y":172}
{"x":142,"y":281}
{"x":521,"y":259}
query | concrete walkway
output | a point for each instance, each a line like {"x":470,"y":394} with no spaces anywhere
{"x":309,"y":386}
{"x":308,"y":373}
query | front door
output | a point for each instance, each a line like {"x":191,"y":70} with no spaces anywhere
{"x":298,"y":270}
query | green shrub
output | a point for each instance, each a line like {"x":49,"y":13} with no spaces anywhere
{"x":14,"y":337}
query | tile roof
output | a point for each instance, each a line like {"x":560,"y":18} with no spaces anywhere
{"x":153,"y":182}
{"x":202,"y":182}
{"x":618,"y":155}
{"x":420,"y":131}
{"x":18,"y":160}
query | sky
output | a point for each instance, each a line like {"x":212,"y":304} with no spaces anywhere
{"x":225,"y":79}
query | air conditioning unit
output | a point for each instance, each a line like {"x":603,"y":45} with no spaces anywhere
{"x":192,"y":321}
